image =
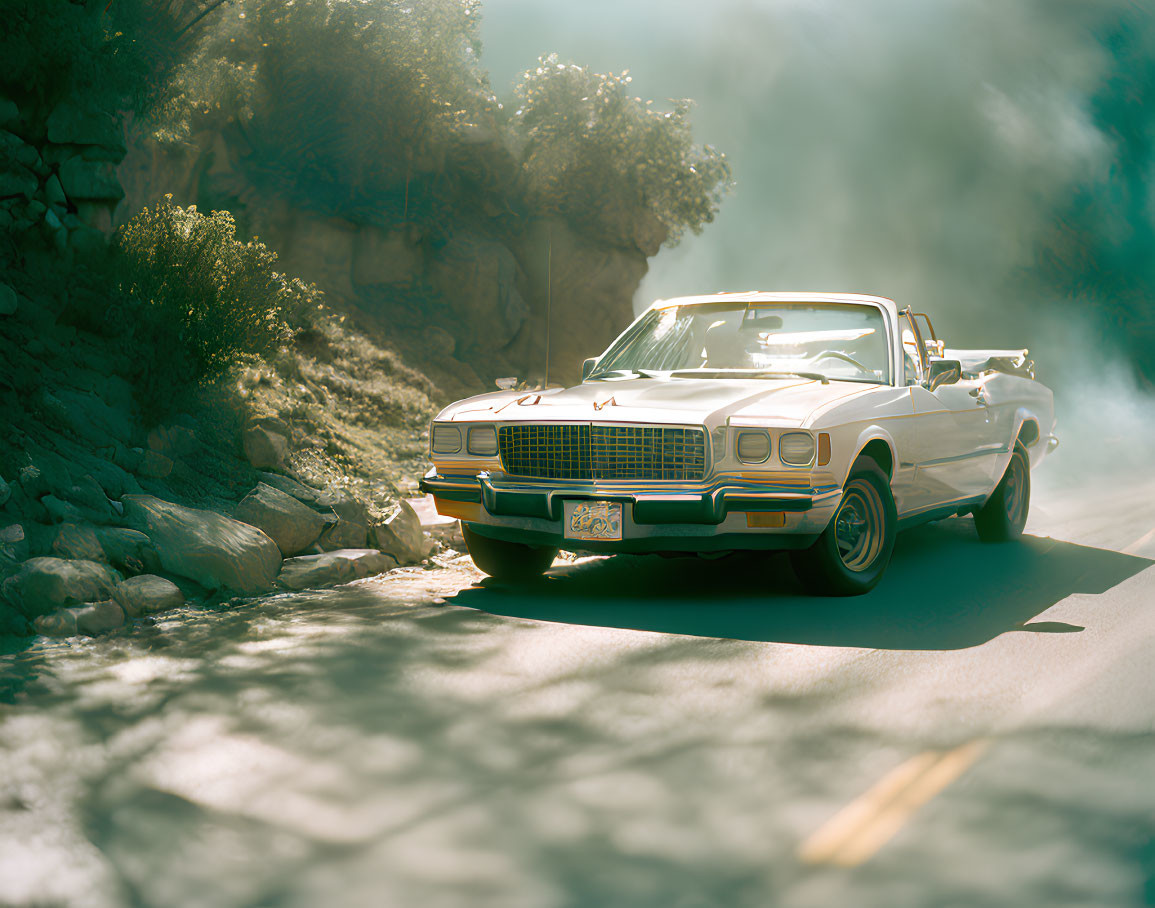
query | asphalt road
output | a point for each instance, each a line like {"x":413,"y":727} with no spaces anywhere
{"x":630,"y":731}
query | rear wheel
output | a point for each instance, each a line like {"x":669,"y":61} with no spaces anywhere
{"x":507,"y":560}
{"x":1004,"y":515}
{"x":852,"y":553}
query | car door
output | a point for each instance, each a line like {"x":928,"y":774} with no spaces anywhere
{"x":952,"y":440}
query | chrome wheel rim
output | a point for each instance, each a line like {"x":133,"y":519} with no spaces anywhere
{"x":1014,"y":491}
{"x":860,"y":525}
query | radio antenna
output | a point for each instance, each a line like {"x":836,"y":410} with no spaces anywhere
{"x":548,"y":296}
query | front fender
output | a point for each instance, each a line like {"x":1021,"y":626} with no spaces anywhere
{"x":876,"y":438}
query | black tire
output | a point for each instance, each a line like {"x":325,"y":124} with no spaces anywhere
{"x":507,"y":560}
{"x":851,"y":555}
{"x":1004,"y":515}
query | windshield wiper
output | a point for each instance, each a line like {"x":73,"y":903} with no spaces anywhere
{"x":629,"y":373}
{"x":744,"y":373}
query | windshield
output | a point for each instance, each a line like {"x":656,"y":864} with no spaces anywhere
{"x":754,"y":340}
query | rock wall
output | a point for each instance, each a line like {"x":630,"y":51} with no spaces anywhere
{"x":477,"y":288}
{"x":58,"y":178}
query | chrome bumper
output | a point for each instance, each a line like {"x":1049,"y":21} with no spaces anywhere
{"x":707,"y":504}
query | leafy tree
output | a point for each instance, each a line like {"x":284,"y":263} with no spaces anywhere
{"x":590,"y":146}
{"x":344,"y":103}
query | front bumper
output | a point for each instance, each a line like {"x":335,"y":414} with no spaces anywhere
{"x":713,"y":515}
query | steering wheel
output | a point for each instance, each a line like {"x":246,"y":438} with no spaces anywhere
{"x":838,"y":354}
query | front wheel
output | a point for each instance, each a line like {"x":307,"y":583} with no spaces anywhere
{"x":1004,"y":515}
{"x":507,"y":560}
{"x":852,"y":553}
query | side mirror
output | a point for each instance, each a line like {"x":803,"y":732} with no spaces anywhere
{"x":588,"y":367}
{"x":943,"y":372}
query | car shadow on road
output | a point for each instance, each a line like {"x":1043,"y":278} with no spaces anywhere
{"x":944,"y":590}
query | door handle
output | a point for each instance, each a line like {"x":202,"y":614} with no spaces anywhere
{"x":979,"y":394}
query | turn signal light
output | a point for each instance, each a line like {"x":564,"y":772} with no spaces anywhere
{"x":765,"y":518}
{"x":823,"y":449}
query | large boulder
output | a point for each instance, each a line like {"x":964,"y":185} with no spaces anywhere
{"x":90,"y":180}
{"x":15,"y":179}
{"x":75,"y":124}
{"x":147,"y":594}
{"x":126,"y":550}
{"x":45,"y":584}
{"x":328,"y":568}
{"x":215,"y":551}
{"x":77,"y":542}
{"x":291,"y":525}
{"x":479,"y":278}
{"x":402,"y":537}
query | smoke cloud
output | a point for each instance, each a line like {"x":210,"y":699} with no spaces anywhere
{"x":985,"y":160}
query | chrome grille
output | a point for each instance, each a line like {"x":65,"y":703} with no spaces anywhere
{"x":603,"y":452}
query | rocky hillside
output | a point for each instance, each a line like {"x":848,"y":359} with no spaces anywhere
{"x":182,"y":421}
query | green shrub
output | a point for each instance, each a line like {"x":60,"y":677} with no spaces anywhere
{"x":196,"y":300}
{"x":590,"y":148}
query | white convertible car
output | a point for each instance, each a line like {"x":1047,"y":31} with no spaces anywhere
{"x":821,"y":423}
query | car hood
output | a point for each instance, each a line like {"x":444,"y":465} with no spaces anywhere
{"x":691,"y":401}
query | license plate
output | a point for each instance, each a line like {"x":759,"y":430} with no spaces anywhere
{"x":593,"y":520}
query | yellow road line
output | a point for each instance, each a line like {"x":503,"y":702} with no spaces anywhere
{"x":1134,"y":547}
{"x":856,"y":833}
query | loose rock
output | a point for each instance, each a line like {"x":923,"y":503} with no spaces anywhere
{"x":77,"y":542}
{"x":214,"y":550}
{"x":58,"y":624}
{"x":264,"y":448}
{"x":99,"y":618}
{"x":341,"y":566}
{"x":402,"y":537}
{"x":291,"y":525}
{"x":45,"y":584}
{"x":147,"y":594}
{"x":352,"y":527}
{"x":289,"y":486}
{"x":128,"y":550}
{"x":13,"y":544}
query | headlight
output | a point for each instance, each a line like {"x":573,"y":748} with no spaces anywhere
{"x":753,"y":447}
{"x":482,"y":441}
{"x":446,"y":439}
{"x":796,"y":448}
